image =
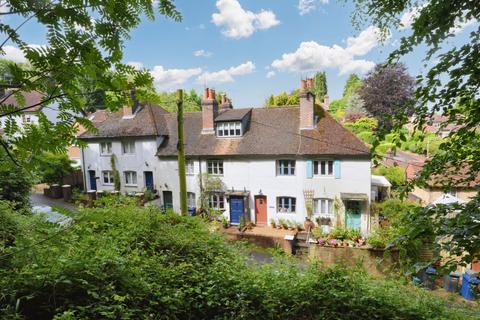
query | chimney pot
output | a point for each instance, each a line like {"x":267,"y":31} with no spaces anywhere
{"x":206,"y":93}
{"x":212,"y":94}
{"x":209,"y":111}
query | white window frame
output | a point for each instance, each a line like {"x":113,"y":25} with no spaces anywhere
{"x":286,"y":165}
{"x":109,"y":175}
{"x":191,"y":200}
{"x":106,"y":148}
{"x":286,"y":204}
{"x":323,"y":168}
{"x":128,"y":147}
{"x":130,"y":178}
{"x":323,"y":207}
{"x":189,"y":167}
{"x":216,"y":201}
{"x":229,"y":129}
{"x":215,"y":167}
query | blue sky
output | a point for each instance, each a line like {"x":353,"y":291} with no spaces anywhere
{"x":251,"y":49}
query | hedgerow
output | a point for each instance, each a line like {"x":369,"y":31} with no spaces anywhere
{"x":125,"y":262}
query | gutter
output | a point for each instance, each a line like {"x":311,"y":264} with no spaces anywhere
{"x":83,"y":169}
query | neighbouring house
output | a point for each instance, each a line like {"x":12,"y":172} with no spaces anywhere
{"x":437,"y":124}
{"x":28,"y":116}
{"x":437,"y":187}
{"x":380,"y":188}
{"x":273,"y":163}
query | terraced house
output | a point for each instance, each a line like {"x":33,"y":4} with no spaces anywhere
{"x":272,"y":162}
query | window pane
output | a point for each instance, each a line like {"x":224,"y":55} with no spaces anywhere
{"x":330,"y":167}
{"x":330,"y":202}
{"x":315,"y":167}
{"x":322,"y":168}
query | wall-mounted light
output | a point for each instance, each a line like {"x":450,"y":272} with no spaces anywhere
{"x":166,"y":185}
{"x":260,"y":192}
{"x":146,"y":163}
{"x":89,"y":166}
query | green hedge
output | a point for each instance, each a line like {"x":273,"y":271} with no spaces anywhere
{"x":123,"y":262}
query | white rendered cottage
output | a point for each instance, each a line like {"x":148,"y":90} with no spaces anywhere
{"x":268,"y":160}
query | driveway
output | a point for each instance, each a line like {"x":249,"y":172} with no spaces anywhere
{"x":38,"y":199}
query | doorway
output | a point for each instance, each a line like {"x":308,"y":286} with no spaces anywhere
{"x":261,"y":209}
{"x":236,"y":209}
{"x":167,"y":200}
{"x":93,"y":179}
{"x":352,"y":214}
{"x":148,"y":180}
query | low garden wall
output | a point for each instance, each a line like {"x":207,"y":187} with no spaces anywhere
{"x":373,"y":260}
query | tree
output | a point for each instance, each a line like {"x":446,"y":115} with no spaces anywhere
{"x":395,"y":175}
{"x":355,"y":107}
{"x":85,"y":42}
{"x":52,"y":168}
{"x":192,"y":101}
{"x":388,"y":91}
{"x":337,"y":107}
{"x":15,"y":182}
{"x":449,"y":86}
{"x":320,"y":85}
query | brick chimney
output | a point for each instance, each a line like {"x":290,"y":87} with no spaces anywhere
{"x":129,"y":110}
{"x":209,"y":111}
{"x":307,"y":105}
{"x":226,"y":103}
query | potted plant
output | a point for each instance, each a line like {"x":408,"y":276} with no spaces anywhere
{"x":225,"y":222}
{"x":298,"y":226}
{"x":272,"y":223}
{"x":291,"y":224}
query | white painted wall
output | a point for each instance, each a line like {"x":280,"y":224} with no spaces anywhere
{"x":21,"y":120}
{"x":260,"y":174}
{"x":143,"y":160}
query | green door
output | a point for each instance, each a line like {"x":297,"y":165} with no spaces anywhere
{"x":352,"y":215}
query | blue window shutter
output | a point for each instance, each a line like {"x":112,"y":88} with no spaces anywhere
{"x":337,"y":169}
{"x":309,"y":169}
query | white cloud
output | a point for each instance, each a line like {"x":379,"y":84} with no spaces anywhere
{"x":136,"y":64}
{"x":227,"y":75}
{"x":14,"y":54}
{"x":306,"y":6}
{"x":239,"y":23}
{"x":312,"y":56}
{"x":17,"y":55}
{"x":408,"y":17}
{"x":270,"y":74}
{"x":461,"y":25}
{"x":169,"y":78}
{"x":202,"y":53}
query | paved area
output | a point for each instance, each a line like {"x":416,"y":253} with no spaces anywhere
{"x":38,"y":199}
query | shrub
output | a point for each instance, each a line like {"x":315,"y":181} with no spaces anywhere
{"x":395,"y":175}
{"x":136,"y":263}
{"x":15,"y":183}
{"x":52,"y":168}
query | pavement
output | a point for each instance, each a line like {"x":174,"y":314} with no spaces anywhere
{"x":38,"y":199}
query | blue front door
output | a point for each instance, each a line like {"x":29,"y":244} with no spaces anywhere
{"x":93,"y":179}
{"x":352,"y":209}
{"x":236,"y":210}
{"x":149,"y":180}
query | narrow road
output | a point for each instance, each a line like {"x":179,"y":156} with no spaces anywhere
{"x":38,"y":199}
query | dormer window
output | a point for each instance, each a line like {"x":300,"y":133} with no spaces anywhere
{"x":229,"y":129}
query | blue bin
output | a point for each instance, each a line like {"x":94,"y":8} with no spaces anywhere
{"x":430,"y":276}
{"x":191,"y":211}
{"x":469,"y":285}
{"x":450,"y":282}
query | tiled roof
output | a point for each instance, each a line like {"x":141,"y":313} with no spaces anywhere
{"x":271,"y":131}
{"x":232,"y":115}
{"x":148,"y":121}
{"x":31,"y":98}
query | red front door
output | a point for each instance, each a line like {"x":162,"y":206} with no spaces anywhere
{"x":261,"y":209}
